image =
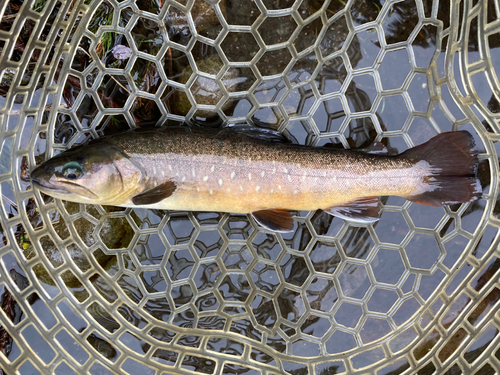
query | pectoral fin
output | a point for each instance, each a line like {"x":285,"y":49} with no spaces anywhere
{"x":155,"y":195}
{"x":362,"y":210}
{"x":274,"y":219}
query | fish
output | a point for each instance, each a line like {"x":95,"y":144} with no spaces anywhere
{"x":256,"y":171}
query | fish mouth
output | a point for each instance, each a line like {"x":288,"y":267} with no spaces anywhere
{"x":58,"y":190}
{"x":48,"y":188}
{"x":80,"y":190}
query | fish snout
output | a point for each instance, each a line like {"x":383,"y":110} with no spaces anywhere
{"x":40,"y":178}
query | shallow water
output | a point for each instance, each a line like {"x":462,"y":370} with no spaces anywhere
{"x":148,"y":290}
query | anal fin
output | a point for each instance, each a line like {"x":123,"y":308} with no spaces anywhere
{"x":275,"y":219}
{"x":362,"y":210}
{"x":155,"y":195}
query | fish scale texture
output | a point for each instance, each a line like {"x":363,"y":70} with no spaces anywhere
{"x":105,"y":290}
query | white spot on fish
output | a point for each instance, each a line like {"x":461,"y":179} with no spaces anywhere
{"x":183,"y":178}
{"x":169,"y":167}
{"x":233,"y":175}
{"x":324,"y":174}
{"x":298,"y":165}
{"x":241,"y":187}
{"x":197,"y":189}
{"x":249,"y":159}
{"x":285,"y":170}
{"x":259,"y":157}
{"x":211,"y":191}
{"x":257,"y":188}
{"x":194,"y":172}
{"x":220,"y":182}
{"x":154,"y":170}
{"x":272,"y":191}
{"x":289,"y":179}
{"x":155,"y":183}
{"x":205,"y":178}
{"x":295,"y":191}
{"x":213,"y":168}
{"x":163,"y":173}
{"x":279,"y":187}
{"x":263,"y":174}
{"x":250,"y":176}
{"x":274,"y":170}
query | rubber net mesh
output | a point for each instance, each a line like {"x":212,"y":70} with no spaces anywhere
{"x":103,"y":290}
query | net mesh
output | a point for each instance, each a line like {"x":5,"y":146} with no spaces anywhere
{"x":91,"y":289}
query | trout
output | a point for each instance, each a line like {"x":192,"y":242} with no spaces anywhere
{"x":253,"y":171}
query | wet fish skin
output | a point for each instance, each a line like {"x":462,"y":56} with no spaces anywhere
{"x":183,"y":168}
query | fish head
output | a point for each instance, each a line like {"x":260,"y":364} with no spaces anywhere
{"x":91,"y":173}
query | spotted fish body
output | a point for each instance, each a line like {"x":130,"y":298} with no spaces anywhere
{"x":181,"y":168}
{"x":233,"y":173}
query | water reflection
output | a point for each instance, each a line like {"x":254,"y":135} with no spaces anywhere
{"x":217,"y":271}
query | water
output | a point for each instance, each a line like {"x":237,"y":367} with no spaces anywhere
{"x":147,"y":290}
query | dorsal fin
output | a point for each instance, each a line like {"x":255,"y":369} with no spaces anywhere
{"x":377,"y":148}
{"x":259,"y":133}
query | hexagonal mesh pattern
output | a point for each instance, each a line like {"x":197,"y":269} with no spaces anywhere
{"x":100,"y":290}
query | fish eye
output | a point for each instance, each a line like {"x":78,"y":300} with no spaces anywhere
{"x":72,"y":170}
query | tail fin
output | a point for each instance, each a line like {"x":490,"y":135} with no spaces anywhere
{"x":453,"y":162}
